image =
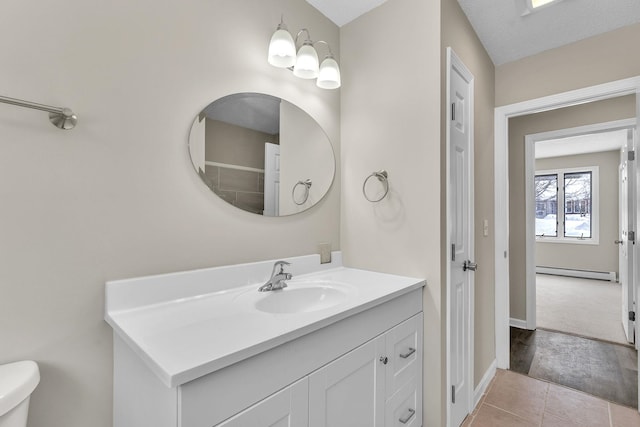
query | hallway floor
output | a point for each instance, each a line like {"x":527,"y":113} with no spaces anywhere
{"x":584,"y":307}
{"x":516,"y":400}
{"x":602,"y":369}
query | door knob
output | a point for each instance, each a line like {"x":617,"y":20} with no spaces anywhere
{"x":384,"y":360}
{"x":617,"y":242}
{"x":468,"y":265}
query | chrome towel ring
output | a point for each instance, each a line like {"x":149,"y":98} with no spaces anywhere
{"x":307,"y":185}
{"x":383,"y":177}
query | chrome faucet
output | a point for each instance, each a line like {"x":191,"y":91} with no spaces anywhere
{"x":276,"y":281}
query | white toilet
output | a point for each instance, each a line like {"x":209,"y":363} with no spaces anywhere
{"x":17,"y":382}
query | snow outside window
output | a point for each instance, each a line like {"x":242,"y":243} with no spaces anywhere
{"x":566,"y":203}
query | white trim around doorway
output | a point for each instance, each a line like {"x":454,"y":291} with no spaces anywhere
{"x":614,"y":89}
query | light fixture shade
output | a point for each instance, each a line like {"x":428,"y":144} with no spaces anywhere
{"x":306,"y":62}
{"x":329,"y":74}
{"x":282,"y":49}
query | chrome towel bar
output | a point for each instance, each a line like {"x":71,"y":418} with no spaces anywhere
{"x":61,"y":117}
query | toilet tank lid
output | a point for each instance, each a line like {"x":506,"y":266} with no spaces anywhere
{"x":17,"y":381}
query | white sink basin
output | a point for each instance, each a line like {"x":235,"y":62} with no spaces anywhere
{"x":301,"y":297}
{"x":189,"y":324}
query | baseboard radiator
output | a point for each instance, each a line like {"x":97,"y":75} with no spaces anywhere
{"x":586,"y":274}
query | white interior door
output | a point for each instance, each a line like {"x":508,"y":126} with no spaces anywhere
{"x":271,"y":179}
{"x":460,"y":219}
{"x":625,"y":244}
{"x":636,"y":255}
{"x":632,"y":168}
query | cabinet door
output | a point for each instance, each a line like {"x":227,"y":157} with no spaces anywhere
{"x":404,"y":409}
{"x":286,"y":408}
{"x":350,"y":391}
{"x":404,"y":350}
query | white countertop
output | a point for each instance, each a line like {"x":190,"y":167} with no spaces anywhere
{"x":184,"y":338}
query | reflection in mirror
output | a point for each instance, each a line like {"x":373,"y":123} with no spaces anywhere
{"x":262,"y":154}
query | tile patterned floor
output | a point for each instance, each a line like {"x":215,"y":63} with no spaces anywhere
{"x":515,"y":400}
{"x":605,"y":370}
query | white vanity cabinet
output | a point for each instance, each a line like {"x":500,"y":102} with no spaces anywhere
{"x":350,"y":390}
{"x":210,"y":361}
{"x":286,"y":408}
{"x":374,"y":385}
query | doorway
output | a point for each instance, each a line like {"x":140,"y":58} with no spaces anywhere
{"x":573,"y":208}
{"x":502,"y":254}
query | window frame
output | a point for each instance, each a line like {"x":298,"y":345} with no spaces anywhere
{"x":561,"y":206}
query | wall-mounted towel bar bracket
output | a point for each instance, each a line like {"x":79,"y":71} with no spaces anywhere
{"x":62,"y":118}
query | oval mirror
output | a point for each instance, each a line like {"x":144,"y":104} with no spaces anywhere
{"x":262,"y":154}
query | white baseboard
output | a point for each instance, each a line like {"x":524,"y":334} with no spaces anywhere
{"x":484,"y":383}
{"x":600,"y":275}
{"x":518,"y":323}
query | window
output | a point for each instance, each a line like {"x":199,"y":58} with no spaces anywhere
{"x":566,"y":205}
{"x":546,"y":188}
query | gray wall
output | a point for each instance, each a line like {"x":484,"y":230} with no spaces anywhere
{"x":235,"y":145}
{"x":600,"y":257}
{"x":118,"y":197}
{"x":391,"y":120}
{"x":519,"y":127}
{"x":600,"y":59}
{"x":304,"y":154}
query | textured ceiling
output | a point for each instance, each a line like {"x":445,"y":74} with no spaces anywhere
{"x":506,"y":34}
{"x":344,"y":11}
{"x":248,"y":110}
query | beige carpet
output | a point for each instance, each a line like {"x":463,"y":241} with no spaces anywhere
{"x":585,"y":307}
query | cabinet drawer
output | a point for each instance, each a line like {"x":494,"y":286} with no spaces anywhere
{"x":287,"y":408}
{"x":404,"y":350}
{"x":404,"y":409}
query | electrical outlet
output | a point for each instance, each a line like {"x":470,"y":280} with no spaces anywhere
{"x":325,"y":253}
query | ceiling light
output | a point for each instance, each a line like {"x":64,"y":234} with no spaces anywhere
{"x":529,"y":6}
{"x":537,"y":3}
{"x":304,"y":63}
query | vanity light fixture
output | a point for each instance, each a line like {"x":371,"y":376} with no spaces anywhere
{"x":307,"y":65}
{"x":304,"y":63}
{"x":282,"y":49}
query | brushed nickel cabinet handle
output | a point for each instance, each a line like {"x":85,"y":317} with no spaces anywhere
{"x":408,"y":353}
{"x":407,"y":417}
